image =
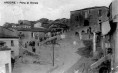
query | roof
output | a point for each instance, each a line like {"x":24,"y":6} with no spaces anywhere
{"x":6,"y":28}
{"x":58,"y":25}
{"x":7,"y":36}
{"x":91,"y":8}
{"x":4,"y":48}
{"x":2,"y":42}
{"x":33,"y":29}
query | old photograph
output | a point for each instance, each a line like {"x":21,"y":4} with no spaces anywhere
{"x":58,"y":36}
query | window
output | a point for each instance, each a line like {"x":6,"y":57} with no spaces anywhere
{"x":2,"y":43}
{"x":83,"y":32}
{"x":12,"y":43}
{"x":86,"y":23}
{"x":86,"y":14}
{"x":77,"y":18}
{"x":32,"y":34}
{"x":88,"y":11}
{"x":100,"y":13}
{"x":76,"y":33}
{"x":7,"y":67}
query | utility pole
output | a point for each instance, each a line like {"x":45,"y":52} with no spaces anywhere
{"x":53,"y":45}
{"x":53,"y":54}
{"x":53,"y":51}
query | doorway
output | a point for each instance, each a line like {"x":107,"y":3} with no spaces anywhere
{"x":7,"y":67}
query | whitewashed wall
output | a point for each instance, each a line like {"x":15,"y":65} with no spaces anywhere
{"x":14,"y":48}
{"x":5,"y":58}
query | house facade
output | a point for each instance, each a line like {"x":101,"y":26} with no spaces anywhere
{"x":28,"y":36}
{"x":87,"y":21}
{"x":10,"y":38}
{"x":88,"y":16}
{"x":12,"y":43}
{"x":21,"y":26}
{"x":5,"y":61}
{"x":33,"y":33}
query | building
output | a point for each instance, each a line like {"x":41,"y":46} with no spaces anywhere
{"x":8,"y":42}
{"x":5,"y":60}
{"x":10,"y":38}
{"x":29,"y":35}
{"x":89,"y":24}
{"x":21,"y":26}
{"x":87,"y":21}
{"x":32,"y":33}
{"x":24,"y":22}
{"x":38,"y":25}
{"x":88,"y":16}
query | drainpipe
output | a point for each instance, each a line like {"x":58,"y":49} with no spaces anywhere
{"x":53,"y":59}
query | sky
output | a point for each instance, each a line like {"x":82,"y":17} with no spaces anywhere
{"x":51,"y":9}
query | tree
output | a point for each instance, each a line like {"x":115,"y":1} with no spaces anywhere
{"x":43,"y":20}
{"x":62,"y":24}
{"x":46,"y":23}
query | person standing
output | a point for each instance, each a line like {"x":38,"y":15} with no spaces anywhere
{"x":33,"y":46}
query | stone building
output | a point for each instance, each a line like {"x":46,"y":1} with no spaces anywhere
{"x":89,"y":20}
{"x":88,"y":16}
{"x":29,"y":35}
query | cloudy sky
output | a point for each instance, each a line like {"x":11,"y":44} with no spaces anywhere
{"x":51,"y":9}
